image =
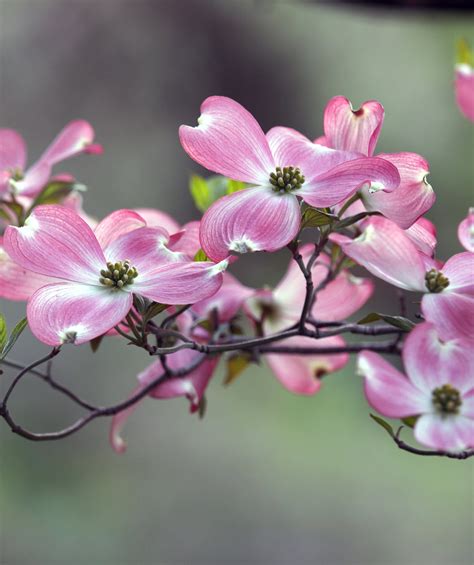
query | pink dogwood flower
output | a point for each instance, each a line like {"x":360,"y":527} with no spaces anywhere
{"x":439,"y":389}
{"x":282,"y":166}
{"x":281,"y":307}
{"x":347,"y":129}
{"x":385,"y":250}
{"x":466,"y":231}
{"x":76,"y":137}
{"x":225,"y":303}
{"x":464,"y":89}
{"x":100,"y":273}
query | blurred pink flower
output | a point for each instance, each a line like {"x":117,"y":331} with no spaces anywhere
{"x":282,"y":166}
{"x":281,"y":308}
{"x":76,"y":137}
{"x":464,"y":88}
{"x":466,"y":231}
{"x":439,"y":388}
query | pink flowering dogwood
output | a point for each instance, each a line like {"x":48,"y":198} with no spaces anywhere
{"x":385,"y":250}
{"x":281,"y":166}
{"x":77,"y":137}
{"x":439,"y":389}
{"x":224,"y":304}
{"x":281,"y":308}
{"x":100,"y":271}
{"x":466,"y":231}
{"x":464,"y":89}
{"x":347,"y":129}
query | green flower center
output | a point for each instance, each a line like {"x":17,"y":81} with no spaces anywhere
{"x":446,"y":399}
{"x":286,"y":179}
{"x":435,"y":281}
{"x":16,"y":175}
{"x":118,"y":274}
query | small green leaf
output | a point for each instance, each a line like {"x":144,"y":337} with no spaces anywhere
{"x":465,"y":56}
{"x":53,"y":193}
{"x":313,"y":218}
{"x":153,"y":310}
{"x":410,"y":421}
{"x":235,"y":186}
{"x":199,"y":192}
{"x":399,"y":322}
{"x":95,"y":343}
{"x":385,"y":425}
{"x":16,"y":332}
{"x":200,"y":256}
{"x":236,"y":364}
{"x":3,"y":332}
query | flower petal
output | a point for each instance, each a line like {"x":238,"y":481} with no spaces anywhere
{"x":289,"y":147}
{"x":385,"y":251}
{"x":345,"y":179}
{"x":445,"y":434}
{"x":301,"y":373}
{"x":423,"y":235}
{"x":466,"y":231}
{"x":116,"y":224}
{"x":227,"y":301}
{"x":12,"y":150}
{"x":353,"y":130}
{"x":73,"y":139}
{"x":34,"y":180}
{"x":56,"y":242}
{"x":464,"y":88}
{"x":158,"y":219}
{"x":181,"y":283}
{"x":413,"y":197}
{"x":228,"y":141}
{"x":254,"y":219}
{"x":431,"y":362}
{"x":189,"y":242}
{"x":75,"y":312}
{"x":389,"y":391}
{"x":16,"y":283}
{"x":450,"y":312}
{"x":145,"y":248}
{"x":460,"y":271}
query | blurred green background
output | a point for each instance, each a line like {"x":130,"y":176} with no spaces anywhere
{"x":266,"y":477}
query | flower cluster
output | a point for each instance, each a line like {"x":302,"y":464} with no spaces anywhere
{"x":165,"y":288}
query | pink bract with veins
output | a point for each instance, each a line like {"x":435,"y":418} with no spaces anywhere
{"x":100,"y":271}
{"x":439,"y":388}
{"x":229,"y":141}
{"x":466,"y":231}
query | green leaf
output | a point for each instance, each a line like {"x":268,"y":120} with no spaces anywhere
{"x":385,"y":425}
{"x":17,"y":210}
{"x":235,"y":186}
{"x":53,"y":193}
{"x":200,"y":256}
{"x":410,"y":421}
{"x":313,"y":218}
{"x":95,"y":343}
{"x":236,"y":364}
{"x":16,"y":332}
{"x":3,"y":332}
{"x":153,"y":310}
{"x":399,"y":322}
{"x":199,"y":192}
{"x":464,"y":54}
{"x":206,"y":191}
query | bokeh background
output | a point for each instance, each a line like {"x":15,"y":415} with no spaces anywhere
{"x":266,"y":477}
